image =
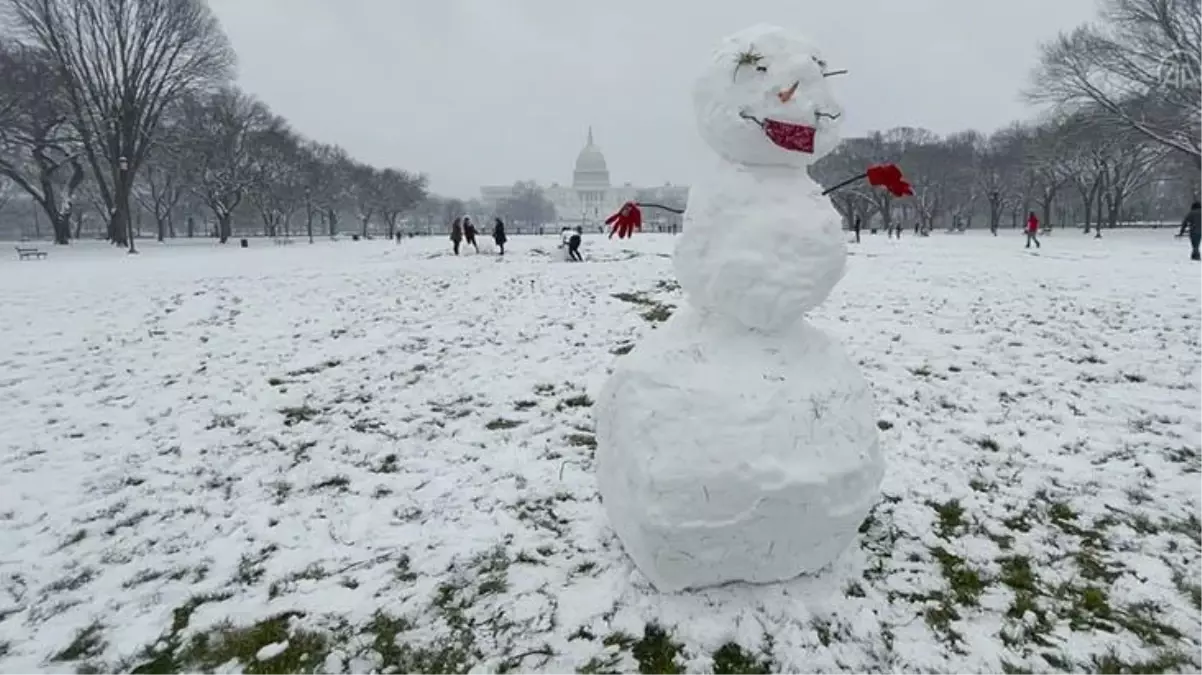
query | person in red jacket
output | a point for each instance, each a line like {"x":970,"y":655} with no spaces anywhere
{"x":1032,"y":229}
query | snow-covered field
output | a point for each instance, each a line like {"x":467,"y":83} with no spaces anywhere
{"x":365,"y":455}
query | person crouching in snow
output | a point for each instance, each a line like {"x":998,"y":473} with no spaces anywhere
{"x":574,"y":238}
{"x":456,"y":234}
{"x":1193,"y":224}
{"x":498,"y":235}
{"x":469,"y":233}
{"x":1032,"y":229}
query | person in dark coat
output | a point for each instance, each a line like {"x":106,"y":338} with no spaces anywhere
{"x":857,"y":229}
{"x":469,"y":233}
{"x":574,"y":237}
{"x":1193,"y":223}
{"x":456,"y":233}
{"x":498,"y":235}
{"x":1032,"y":229}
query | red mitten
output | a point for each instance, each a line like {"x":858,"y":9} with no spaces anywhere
{"x":889,"y":177}
{"x":628,"y":219}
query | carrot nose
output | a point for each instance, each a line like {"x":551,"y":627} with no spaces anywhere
{"x":786,"y":95}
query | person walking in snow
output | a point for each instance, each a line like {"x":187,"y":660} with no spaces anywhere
{"x":856,"y":227}
{"x":1032,"y":229}
{"x":498,"y":235}
{"x":1193,"y":223}
{"x":456,"y":234}
{"x":469,"y":233}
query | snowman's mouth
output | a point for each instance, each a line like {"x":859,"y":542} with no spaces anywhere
{"x":787,"y":135}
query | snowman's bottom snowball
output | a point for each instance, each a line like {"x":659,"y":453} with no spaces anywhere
{"x":730,"y":455}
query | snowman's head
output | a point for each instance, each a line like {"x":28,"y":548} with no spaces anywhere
{"x":764,"y":99}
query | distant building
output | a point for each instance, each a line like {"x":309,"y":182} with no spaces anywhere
{"x":592,"y":198}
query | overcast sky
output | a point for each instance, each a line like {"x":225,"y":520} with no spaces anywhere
{"x":476,"y":92}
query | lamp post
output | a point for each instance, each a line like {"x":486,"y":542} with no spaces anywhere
{"x":123,"y":203}
{"x":309,"y":212}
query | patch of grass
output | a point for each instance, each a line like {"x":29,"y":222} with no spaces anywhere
{"x":579,"y":401}
{"x":294,"y":415}
{"x":250,"y":566}
{"x":305,"y":652}
{"x":733,"y":659}
{"x":87,"y":643}
{"x":965,"y":583}
{"x":387,"y":465}
{"x":582,"y":440}
{"x":72,"y":582}
{"x":314,"y":369}
{"x":502,"y":423}
{"x":622,"y":349}
{"x":73,"y":539}
{"x":921,"y":371}
{"x":340,"y":483}
{"x":989,"y":444}
{"x":633,"y":298}
{"x":524,"y":405}
{"x":656,"y":652}
{"x":658,"y":312}
{"x":951,"y":517}
{"x":1164,"y":662}
{"x":1189,"y":587}
{"x":286,"y":584}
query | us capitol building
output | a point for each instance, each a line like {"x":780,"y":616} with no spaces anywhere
{"x":591,"y":198}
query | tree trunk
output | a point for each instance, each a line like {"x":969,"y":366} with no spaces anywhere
{"x":309,"y":222}
{"x":162,"y":228}
{"x":995,"y":212}
{"x":332,"y":222}
{"x":224,"y":227}
{"x":170,"y":225}
{"x":1087,"y":197}
{"x":191,"y":226}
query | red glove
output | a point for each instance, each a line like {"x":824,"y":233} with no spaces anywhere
{"x":889,"y":177}
{"x":628,"y":219}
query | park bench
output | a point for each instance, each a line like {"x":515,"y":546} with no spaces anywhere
{"x":27,"y":253}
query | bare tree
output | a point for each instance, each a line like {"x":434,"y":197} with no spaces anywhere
{"x":1139,"y":64}
{"x":330,"y":184}
{"x":163,"y":183}
{"x":39,"y":151}
{"x":276,"y":189}
{"x":221,"y":130}
{"x":527,"y":204}
{"x":365,"y":190}
{"x":399,"y":192}
{"x":122,"y":62}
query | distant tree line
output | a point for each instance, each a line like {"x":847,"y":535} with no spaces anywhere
{"x":1119,"y":141}
{"x":115,"y":109}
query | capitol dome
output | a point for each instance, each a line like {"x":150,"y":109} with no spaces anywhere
{"x":591,"y":171}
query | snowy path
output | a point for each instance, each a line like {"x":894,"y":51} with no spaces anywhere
{"x":387,"y":451}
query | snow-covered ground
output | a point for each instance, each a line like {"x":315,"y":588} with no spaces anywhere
{"x":369,"y":455}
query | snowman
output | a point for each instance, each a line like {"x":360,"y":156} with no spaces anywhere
{"x":738,"y":442}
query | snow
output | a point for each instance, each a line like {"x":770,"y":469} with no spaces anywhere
{"x":737,"y":444}
{"x":270,"y":651}
{"x":725,"y":454}
{"x":327,"y":430}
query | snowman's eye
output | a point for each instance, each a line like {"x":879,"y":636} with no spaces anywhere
{"x":752,"y":58}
